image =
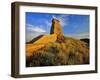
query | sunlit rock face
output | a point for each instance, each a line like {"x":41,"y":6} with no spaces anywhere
{"x":57,"y":29}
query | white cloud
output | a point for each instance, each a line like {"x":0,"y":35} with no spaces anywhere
{"x":30,"y":36}
{"x":32,"y":32}
{"x":48,"y":23}
{"x":37,"y":29}
{"x":83,"y":35}
{"x":31,"y":28}
{"x":80,"y":35}
{"x":63,"y":19}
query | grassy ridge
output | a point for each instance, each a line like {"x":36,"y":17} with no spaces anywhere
{"x":39,"y":43}
{"x":69,"y":52}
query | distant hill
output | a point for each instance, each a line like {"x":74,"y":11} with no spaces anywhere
{"x":34,"y":39}
{"x":86,"y":40}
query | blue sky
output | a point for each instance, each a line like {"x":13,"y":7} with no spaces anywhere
{"x":72,"y":25}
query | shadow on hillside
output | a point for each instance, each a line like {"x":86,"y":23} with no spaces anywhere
{"x":35,"y":39}
{"x":86,"y":40}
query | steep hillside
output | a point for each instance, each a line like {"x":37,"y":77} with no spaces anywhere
{"x":39,"y":43}
{"x":70,"y":52}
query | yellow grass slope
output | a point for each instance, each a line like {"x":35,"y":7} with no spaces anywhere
{"x":40,"y":43}
{"x":46,"y":39}
{"x":70,"y":52}
{"x":30,"y":48}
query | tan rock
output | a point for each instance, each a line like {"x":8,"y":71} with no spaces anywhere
{"x":57,"y":29}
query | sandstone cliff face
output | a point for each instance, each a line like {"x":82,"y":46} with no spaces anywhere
{"x":57,"y":29}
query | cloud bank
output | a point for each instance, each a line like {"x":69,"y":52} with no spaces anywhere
{"x":63,"y":19}
{"x":32,"y":32}
{"x":80,"y":36}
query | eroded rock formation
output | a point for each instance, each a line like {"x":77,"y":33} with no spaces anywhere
{"x":56,"y":34}
{"x":57,"y":29}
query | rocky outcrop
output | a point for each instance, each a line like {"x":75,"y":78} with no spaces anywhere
{"x":56,"y":34}
{"x":57,"y":29}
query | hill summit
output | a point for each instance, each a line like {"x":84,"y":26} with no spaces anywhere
{"x":56,"y":49}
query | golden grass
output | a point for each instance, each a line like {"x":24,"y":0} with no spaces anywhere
{"x":70,"y":52}
{"x":46,"y":39}
{"x":30,"y":48}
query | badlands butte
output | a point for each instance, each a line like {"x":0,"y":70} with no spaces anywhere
{"x":56,"y":49}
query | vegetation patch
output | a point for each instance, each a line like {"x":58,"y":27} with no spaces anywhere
{"x":67,"y":52}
